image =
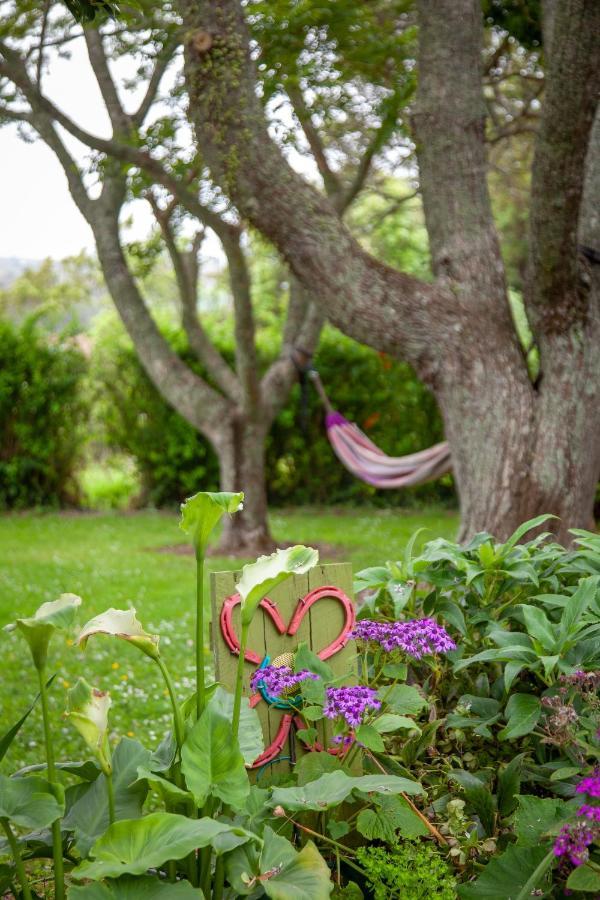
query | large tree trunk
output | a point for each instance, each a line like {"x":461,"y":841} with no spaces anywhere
{"x":241,"y":452}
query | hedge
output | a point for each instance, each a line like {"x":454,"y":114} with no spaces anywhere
{"x":382,"y":396}
{"x":41,"y":410}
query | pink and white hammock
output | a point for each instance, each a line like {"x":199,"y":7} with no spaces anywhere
{"x":366,"y":461}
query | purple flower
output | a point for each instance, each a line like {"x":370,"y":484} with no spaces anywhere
{"x":417,"y":638}
{"x":591,"y":813}
{"x":573,"y":841}
{"x":590,"y":785}
{"x":277,"y":680}
{"x":350,"y":703}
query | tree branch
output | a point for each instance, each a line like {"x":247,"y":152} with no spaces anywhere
{"x":331,"y":181}
{"x":163,"y":59}
{"x":120,"y":120}
{"x":187,"y":286}
{"x":360,"y":295}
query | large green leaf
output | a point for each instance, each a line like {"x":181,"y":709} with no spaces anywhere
{"x":267,"y":572}
{"x":538,"y":817}
{"x":9,"y":736}
{"x":390,"y":816}
{"x":212,"y":762}
{"x":539,"y":626}
{"x":333,"y":788}
{"x":403,"y":699}
{"x":250,"y":735}
{"x":522,"y":531}
{"x":29,"y":802}
{"x":202,"y":512}
{"x":124,"y":624}
{"x":585,"y":878}
{"x":506,"y":875}
{"x":576,"y":605}
{"x":131,"y":847}
{"x":50,"y":617}
{"x":88,"y":711}
{"x":282,"y":872}
{"x":88,"y":817}
{"x":132,"y":888}
{"x":478,"y":796}
{"x":523,"y":712}
{"x":509,"y":785}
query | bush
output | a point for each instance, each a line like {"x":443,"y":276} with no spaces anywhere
{"x":382,"y":396}
{"x":411,"y":870}
{"x":40,"y":414}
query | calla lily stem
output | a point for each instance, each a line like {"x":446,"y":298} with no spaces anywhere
{"x":14,"y":847}
{"x":239,"y":681}
{"x":57,"y":852}
{"x":177,"y":719}
{"x":200,"y":687}
{"x":110,"y":790}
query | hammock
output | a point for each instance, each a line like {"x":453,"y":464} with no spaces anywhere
{"x":366,"y":461}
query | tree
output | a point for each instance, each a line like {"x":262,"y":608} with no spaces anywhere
{"x":233,"y":407}
{"x":518,"y":447}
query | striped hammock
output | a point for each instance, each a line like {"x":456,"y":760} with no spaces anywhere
{"x":366,"y":461}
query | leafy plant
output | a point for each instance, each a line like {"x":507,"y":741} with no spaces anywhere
{"x":409,"y":869}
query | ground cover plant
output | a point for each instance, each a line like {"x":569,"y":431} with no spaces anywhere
{"x":460,"y":755}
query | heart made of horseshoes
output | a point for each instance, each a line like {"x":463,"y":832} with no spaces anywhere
{"x":302,"y":607}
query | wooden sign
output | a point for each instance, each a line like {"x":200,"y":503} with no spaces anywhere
{"x":324,"y":626}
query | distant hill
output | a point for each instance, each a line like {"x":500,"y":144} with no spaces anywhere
{"x":13,"y":266}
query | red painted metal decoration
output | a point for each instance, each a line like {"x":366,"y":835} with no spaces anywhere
{"x":304,"y":604}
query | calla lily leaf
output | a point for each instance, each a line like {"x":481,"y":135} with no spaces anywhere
{"x":262,"y":576}
{"x":133,"y":846}
{"x":201,"y":513}
{"x":55,"y":615}
{"x":88,"y":711}
{"x":124,"y":624}
{"x":131,"y":888}
{"x":29,"y":802}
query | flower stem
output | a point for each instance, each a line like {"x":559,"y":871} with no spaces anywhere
{"x":200,"y":687}
{"x":239,"y":681}
{"x":219,"y":879}
{"x":110,"y":791}
{"x":177,"y":719}
{"x":14,"y":848}
{"x":59,"y":875}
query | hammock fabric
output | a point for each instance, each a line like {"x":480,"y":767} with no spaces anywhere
{"x":366,"y":461}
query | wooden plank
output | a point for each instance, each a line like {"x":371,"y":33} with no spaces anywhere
{"x":321,"y":625}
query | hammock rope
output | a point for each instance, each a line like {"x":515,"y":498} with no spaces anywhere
{"x":366,"y":461}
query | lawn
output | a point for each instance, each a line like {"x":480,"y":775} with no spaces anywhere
{"x":112,"y":560}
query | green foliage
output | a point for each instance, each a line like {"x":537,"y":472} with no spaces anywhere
{"x":409,"y":869}
{"x":382,"y":396}
{"x":41,"y":412}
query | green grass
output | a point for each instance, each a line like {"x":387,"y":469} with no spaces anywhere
{"x":111,"y":560}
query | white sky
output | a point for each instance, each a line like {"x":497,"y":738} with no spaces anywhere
{"x":39,"y":218}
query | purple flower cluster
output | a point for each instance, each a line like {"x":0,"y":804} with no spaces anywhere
{"x":591,"y":813}
{"x":278,"y":680}
{"x":590,"y":785}
{"x":350,"y":703}
{"x":573,"y":842}
{"x":417,"y":638}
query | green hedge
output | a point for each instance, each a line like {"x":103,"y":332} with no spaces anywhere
{"x":382,"y":396}
{"x":41,"y":411}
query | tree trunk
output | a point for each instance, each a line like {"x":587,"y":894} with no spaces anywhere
{"x":241,"y":452}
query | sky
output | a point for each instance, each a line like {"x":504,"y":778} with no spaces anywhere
{"x":39,"y":218}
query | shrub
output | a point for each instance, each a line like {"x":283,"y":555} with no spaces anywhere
{"x":410,"y":870}
{"x":382,"y":396}
{"x":40,"y":414}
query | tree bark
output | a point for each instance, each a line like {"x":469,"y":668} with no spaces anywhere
{"x":241,"y":451}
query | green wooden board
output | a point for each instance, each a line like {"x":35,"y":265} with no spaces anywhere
{"x":321,"y":625}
